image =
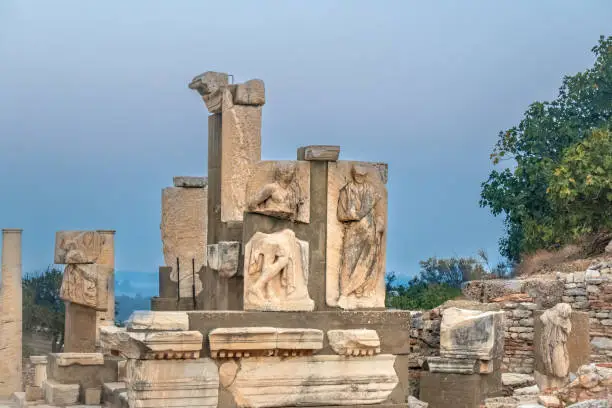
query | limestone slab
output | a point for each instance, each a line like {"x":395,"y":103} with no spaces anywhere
{"x":355,"y":342}
{"x":184,"y":224}
{"x":86,"y":285}
{"x":280,"y":189}
{"x":223,"y":257}
{"x":83,"y":359}
{"x":263,"y":341}
{"x":356,"y":235}
{"x":471,"y":334}
{"x":251,"y":92}
{"x":158,"y":321}
{"x":190,"y":181}
{"x":172,"y":383}
{"x":78,"y":247}
{"x":319,"y":153}
{"x":241,"y":141}
{"x":313,"y":380}
{"x":452,"y":365}
{"x":152,"y":345}
{"x":276,"y":273}
{"x":61,"y":394}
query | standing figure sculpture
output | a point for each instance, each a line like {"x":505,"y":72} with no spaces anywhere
{"x":553,"y":345}
{"x":281,"y":198}
{"x":364,"y":226}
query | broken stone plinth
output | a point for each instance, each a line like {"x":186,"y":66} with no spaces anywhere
{"x":319,"y":153}
{"x":361,"y":342}
{"x":158,"y":345}
{"x":40,"y":369}
{"x":312,"y":380}
{"x":223,"y":258}
{"x":10,"y":314}
{"x":80,"y":329}
{"x":264,"y":341}
{"x":61,"y":394}
{"x":190,"y":181}
{"x":158,"y":321}
{"x":172,"y":383}
{"x":471,"y":334}
{"x":184,"y":224}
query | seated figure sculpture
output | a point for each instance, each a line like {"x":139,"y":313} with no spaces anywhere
{"x":280,"y":198}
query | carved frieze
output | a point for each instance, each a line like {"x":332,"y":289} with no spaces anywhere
{"x":354,"y":342}
{"x":276,"y":272}
{"x":223,"y":257}
{"x":78,"y":247}
{"x":356,"y":235}
{"x":87,"y":285}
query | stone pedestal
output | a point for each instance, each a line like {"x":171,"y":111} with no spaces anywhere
{"x":40,"y":369}
{"x":10,"y":314}
{"x":81,"y":329}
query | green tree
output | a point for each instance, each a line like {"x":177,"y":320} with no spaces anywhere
{"x":536,"y":148}
{"x":43,"y":310}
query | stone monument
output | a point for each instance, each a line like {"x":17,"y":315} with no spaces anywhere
{"x":87,"y":285}
{"x":10,"y":314}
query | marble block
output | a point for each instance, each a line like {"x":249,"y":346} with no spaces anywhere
{"x":190,"y":181}
{"x":210,"y":86}
{"x":160,"y":345}
{"x":355,"y":342}
{"x":172,"y":383}
{"x":471,"y":334}
{"x":319,"y":153}
{"x":223,"y":257}
{"x":314,"y":380}
{"x":251,"y":92}
{"x":86,"y":285}
{"x":60,"y":394}
{"x":184,"y":225}
{"x":263,"y":341}
{"x":157,"y":321}
{"x":78,"y":247}
{"x":83,"y":359}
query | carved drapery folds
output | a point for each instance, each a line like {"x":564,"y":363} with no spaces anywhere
{"x":553,"y":343}
{"x":78,"y":247}
{"x":87,"y":285}
{"x":276,"y":272}
{"x":356,"y":235}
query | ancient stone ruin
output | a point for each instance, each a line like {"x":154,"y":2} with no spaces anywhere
{"x":273,"y":295}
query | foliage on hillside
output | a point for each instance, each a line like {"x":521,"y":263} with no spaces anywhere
{"x":43,"y":310}
{"x":559,"y":177}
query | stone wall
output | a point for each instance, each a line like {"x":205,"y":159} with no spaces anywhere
{"x":591,"y":291}
{"x":519,"y":335}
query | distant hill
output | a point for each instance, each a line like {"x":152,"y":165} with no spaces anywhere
{"x":129,"y":283}
{"x":127,"y":304}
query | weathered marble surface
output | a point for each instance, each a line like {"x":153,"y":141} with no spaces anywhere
{"x":264,"y":341}
{"x":86,"y":285}
{"x":276,"y":272}
{"x":184,"y":224}
{"x":78,"y":247}
{"x":251,"y":92}
{"x":160,"y":345}
{"x":60,"y":394}
{"x":241,"y":141}
{"x":313,"y":380}
{"x":471,"y":334}
{"x":83,"y":359}
{"x":355,"y":342}
{"x":190,"y":181}
{"x":319,"y":153}
{"x":172,"y":383}
{"x":280,"y":189}
{"x":158,"y":321}
{"x":210,"y":86}
{"x":11,"y":314}
{"x":223,"y":257}
{"x":356,"y":235}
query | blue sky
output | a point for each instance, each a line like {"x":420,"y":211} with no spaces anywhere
{"x":96,"y":116}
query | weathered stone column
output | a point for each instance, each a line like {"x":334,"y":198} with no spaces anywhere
{"x":107,"y":257}
{"x":40,"y":369}
{"x":10,"y":314}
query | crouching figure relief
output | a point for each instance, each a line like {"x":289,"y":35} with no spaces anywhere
{"x":276,"y":272}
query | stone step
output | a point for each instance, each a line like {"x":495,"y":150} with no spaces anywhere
{"x":114,"y":395}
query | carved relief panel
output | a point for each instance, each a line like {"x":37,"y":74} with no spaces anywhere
{"x":276,"y":272}
{"x":280,"y":189}
{"x":87,"y":285}
{"x":356,"y":234}
{"x":78,"y":247}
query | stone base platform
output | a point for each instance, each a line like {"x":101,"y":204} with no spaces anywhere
{"x":459,"y":390}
